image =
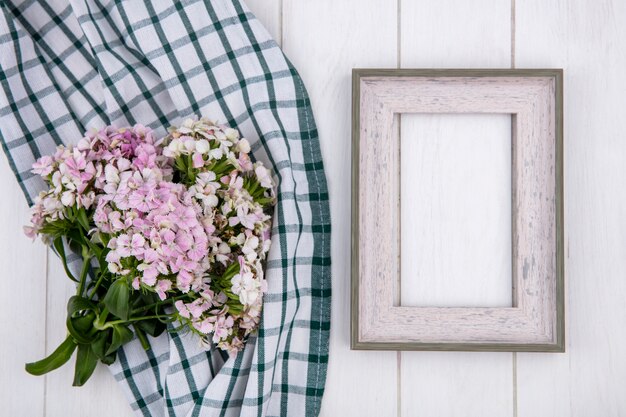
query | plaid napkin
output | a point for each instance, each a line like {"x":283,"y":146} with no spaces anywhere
{"x":67,"y":68}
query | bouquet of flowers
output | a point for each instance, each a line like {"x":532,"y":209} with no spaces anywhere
{"x":174,"y":231}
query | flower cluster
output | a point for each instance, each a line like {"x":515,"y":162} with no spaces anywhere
{"x":184,"y":218}
{"x":76,"y":175}
{"x":231,"y":193}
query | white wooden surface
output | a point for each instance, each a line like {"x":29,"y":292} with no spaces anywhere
{"x":324,"y":39}
{"x":456,"y":189}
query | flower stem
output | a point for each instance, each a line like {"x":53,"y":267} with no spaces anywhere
{"x":145,"y":344}
{"x":97,"y":284}
{"x":130,"y":320}
{"x":168,"y":301}
{"x":84,"y":271}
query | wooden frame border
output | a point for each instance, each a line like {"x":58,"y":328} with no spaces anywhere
{"x":385,"y":313}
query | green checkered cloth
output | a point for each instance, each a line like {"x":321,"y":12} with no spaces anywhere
{"x":68,"y":68}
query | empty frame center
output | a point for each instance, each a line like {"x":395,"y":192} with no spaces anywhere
{"x":455,"y":210}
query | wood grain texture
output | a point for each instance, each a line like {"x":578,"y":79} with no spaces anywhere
{"x":269,"y":13}
{"x":456,"y":34}
{"x":325,"y":39}
{"x":22,"y":304}
{"x":587,"y":380}
{"x":535,"y":321}
{"x":455,"y":384}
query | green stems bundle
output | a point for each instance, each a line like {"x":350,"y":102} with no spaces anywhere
{"x":103,"y":311}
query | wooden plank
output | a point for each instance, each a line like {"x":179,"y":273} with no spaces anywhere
{"x":269,"y":13}
{"x":22,"y":303}
{"x":101,"y":395}
{"x":325,"y":39}
{"x":456,"y":34}
{"x":582,"y":37}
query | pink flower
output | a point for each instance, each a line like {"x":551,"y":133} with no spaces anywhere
{"x":205,"y":326}
{"x":198,"y":160}
{"x":223,"y":327}
{"x":244,"y":162}
{"x":43,"y":166}
{"x":183,"y":280}
{"x":162,"y":287}
{"x":198,"y":249}
{"x":197,"y":307}
{"x":150,"y":273}
{"x":30,"y":231}
{"x":182,"y":309}
{"x":136,"y":245}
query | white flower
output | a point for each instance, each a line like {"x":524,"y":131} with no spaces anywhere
{"x":232,"y":134}
{"x":243,"y":146}
{"x":203,"y":146}
{"x":238,"y":240}
{"x":111,"y":174}
{"x":189,"y":145}
{"x":249,"y":248}
{"x":263,"y":175}
{"x":210,"y":201}
{"x":216,"y":153}
{"x":246,"y":287}
{"x":188,"y":123}
{"x":123,"y":164}
{"x":51,"y":204}
{"x":222,"y":253}
{"x":86,"y":200}
{"x":174,"y":148}
{"x":68,"y":198}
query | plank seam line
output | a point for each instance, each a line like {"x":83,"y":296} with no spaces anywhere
{"x":512,"y":33}
{"x":514,"y":356}
{"x":45,"y":331}
{"x":281,"y":17}
{"x":399,"y":65}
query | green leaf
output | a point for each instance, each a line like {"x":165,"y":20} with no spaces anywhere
{"x":75,"y":236}
{"x":231,"y":271}
{"x":77,"y":303}
{"x":151,"y":327}
{"x":82,"y":219}
{"x":58,"y":246}
{"x":264,"y":201}
{"x":117,"y":299}
{"x":235,"y":307}
{"x":56,"y":228}
{"x":96,"y":250}
{"x":142,"y":338}
{"x":109,"y":359}
{"x":57,"y":358}
{"x":86,"y":361}
{"x":81,"y":328}
{"x":100,"y":346}
{"x":121,"y":336}
{"x":101,"y":343}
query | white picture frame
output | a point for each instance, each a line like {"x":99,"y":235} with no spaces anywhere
{"x":533,"y":98}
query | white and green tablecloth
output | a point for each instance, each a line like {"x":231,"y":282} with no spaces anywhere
{"x":66,"y":68}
